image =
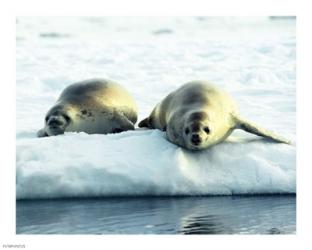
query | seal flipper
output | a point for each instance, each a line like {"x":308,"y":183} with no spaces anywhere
{"x":42,"y":133}
{"x":254,"y":129}
{"x":144,"y":123}
{"x":122,"y":124}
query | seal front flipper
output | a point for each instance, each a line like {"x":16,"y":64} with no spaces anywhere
{"x":122,"y":123}
{"x":254,"y":129}
{"x":42,"y":133}
{"x":144,"y":123}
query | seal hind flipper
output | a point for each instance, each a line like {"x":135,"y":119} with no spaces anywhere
{"x":255,"y":129}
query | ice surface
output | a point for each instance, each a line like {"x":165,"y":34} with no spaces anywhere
{"x":252,"y":58}
{"x":145,"y":163}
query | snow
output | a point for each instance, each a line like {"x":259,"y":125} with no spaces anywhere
{"x":254,"y":59}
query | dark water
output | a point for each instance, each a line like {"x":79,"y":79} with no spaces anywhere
{"x":161,"y":215}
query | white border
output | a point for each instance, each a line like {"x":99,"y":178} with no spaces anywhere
{"x":153,"y":8}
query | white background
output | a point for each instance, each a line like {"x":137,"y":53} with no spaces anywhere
{"x":40,"y":8}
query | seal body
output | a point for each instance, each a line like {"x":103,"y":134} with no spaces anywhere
{"x":95,"y":106}
{"x":199,"y":115}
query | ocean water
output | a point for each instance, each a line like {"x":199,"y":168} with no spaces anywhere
{"x":275,"y":214}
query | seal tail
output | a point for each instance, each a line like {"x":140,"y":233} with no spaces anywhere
{"x":254,"y":129}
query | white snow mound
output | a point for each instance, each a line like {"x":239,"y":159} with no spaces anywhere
{"x":143,"y":162}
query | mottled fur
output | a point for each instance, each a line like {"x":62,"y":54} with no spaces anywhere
{"x":95,"y":106}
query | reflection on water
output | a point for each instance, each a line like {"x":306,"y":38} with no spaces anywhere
{"x":208,"y":224}
{"x":159,"y":215}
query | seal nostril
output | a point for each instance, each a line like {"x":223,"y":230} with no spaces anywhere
{"x":196,"y":139}
{"x":195,"y":136}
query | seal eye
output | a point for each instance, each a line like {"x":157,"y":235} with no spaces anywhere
{"x":207,"y":130}
{"x":187,"y":131}
{"x":67,"y":118}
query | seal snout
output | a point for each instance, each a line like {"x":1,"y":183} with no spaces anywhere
{"x":197,"y":132}
{"x":196,"y":139}
{"x":55,"y":125}
{"x":54,"y":122}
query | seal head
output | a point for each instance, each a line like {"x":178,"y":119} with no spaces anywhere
{"x":196,"y":131}
{"x":56,"y":123}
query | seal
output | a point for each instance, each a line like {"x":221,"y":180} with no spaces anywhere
{"x":199,"y":115}
{"x":95,"y":106}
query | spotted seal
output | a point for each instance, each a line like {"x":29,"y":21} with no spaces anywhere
{"x":95,"y":106}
